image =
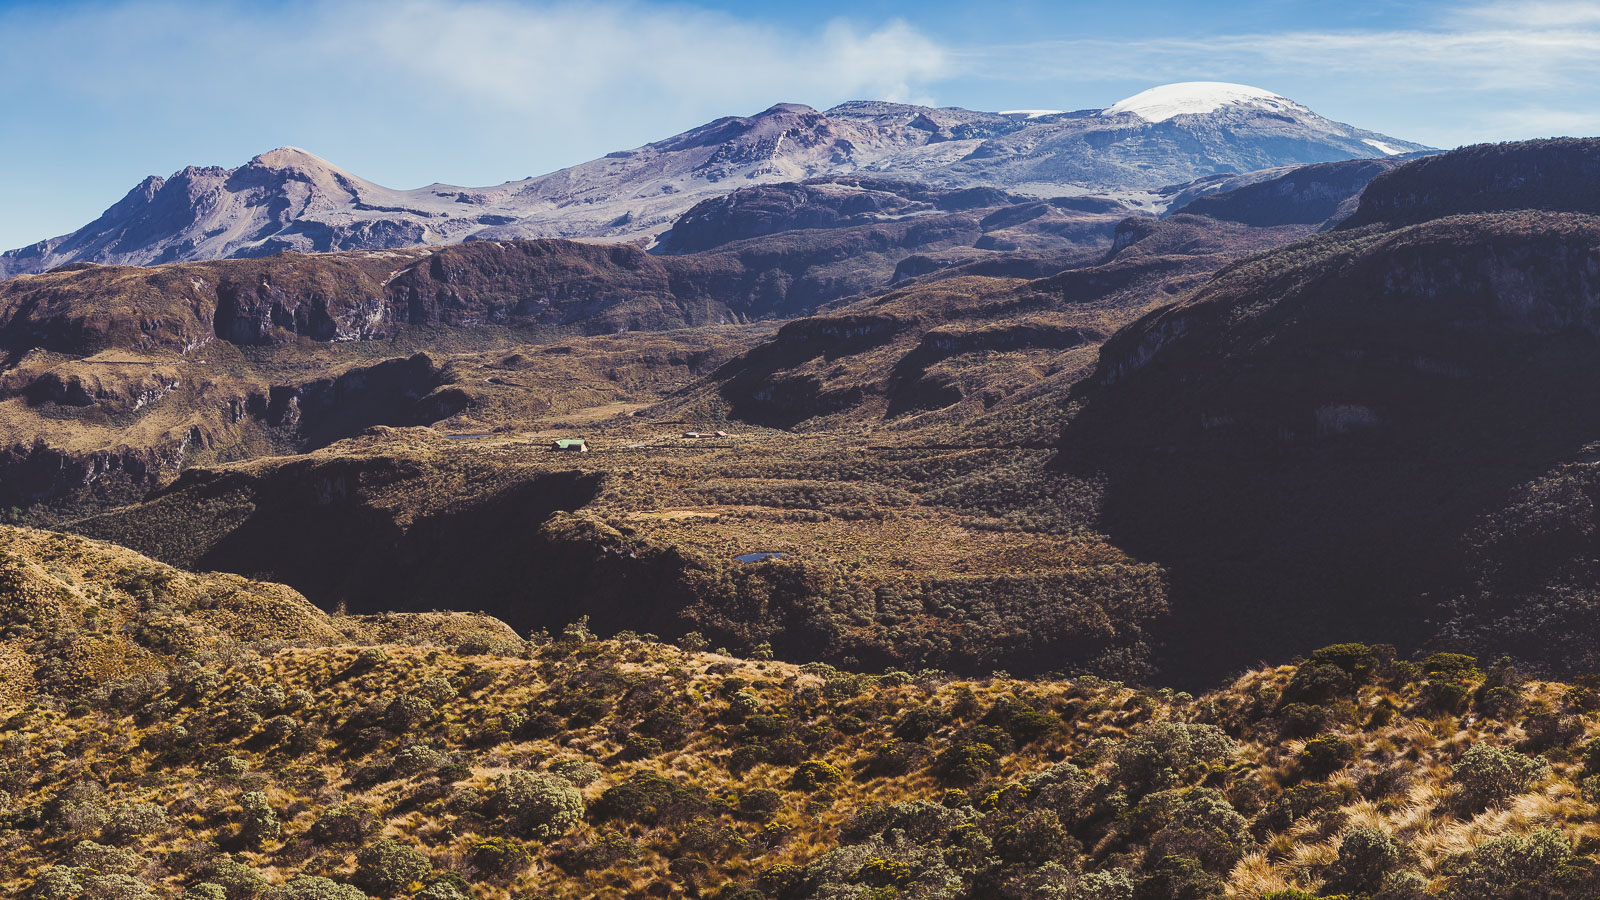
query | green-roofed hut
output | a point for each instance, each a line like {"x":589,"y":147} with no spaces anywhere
{"x":570,"y":445}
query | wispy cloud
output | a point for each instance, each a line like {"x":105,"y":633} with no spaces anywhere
{"x":1500,"y":61}
{"x":518,"y":57}
{"x":99,"y":93}
{"x":584,"y":57}
{"x":409,"y":91}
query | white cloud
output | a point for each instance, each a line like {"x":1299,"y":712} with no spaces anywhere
{"x":1538,"y":13}
{"x":520,"y":57}
{"x":584,"y":58}
{"x":99,"y":94}
{"x":1506,"y":67}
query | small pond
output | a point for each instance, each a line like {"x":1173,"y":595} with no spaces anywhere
{"x":468,"y":437}
{"x":757,"y":557}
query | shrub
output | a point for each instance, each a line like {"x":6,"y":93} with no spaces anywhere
{"x":389,"y":867}
{"x":814,"y":775}
{"x":1452,"y":666}
{"x":437,"y":690}
{"x":1161,"y":755}
{"x":921,"y":723}
{"x":576,"y":772}
{"x":368,"y":659}
{"x":966,"y":763}
{"x":416,"y":759}
{"x":103,"y":859}
{"x":346,"y":824}
{"x":1366,"y":857}
{"x":760,"y":804}
{"x":785,"y":751}
{"x":1548,"y":729}
{"x":1194,"y":823}
{"x":260,"y":824}
{"x":114,"y":887}
{"x":606,"y":850}
{"x":129,"y":822}
{"x":1030,"y":725}
{"x":1035,"y":839}
{"x":1323,"y":756}
{"x":1500,"y":702}
{"x":650,"y":799}
{"x":880,"y":872}
{"x":278,"y":729}
{"x":453,"y":771}
{"x":1444,"y":696}
{"x":1294,"y":804}
{"x":538,"y":806}
{"x":237,"y":880}
{"x":707,"y":838}
{"x":1106,"y":884}
{"x":1316,"y":683}
{"x":311,"y":887}
{"x":638,"y":746}
{"x":1178,"y":878}
{"x":407,"y":712}
{"x":79,"y":810}
{"x":1487,"y":775}
{"x":895,"y":757}
{"x":500,"y":859}
{"x":1358,"y":660}
{"x":228,"y":767}
{"x":1537,"y":866}
{"x":1387,"y":782}
{"x":1298,"y":720}
{"x":442,"y":890}
{"x":205,"y":890}
{"x":1063,"y":787}
{"x":55,"y":883}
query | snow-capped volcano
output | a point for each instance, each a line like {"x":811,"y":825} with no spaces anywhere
{"x":1191,"y":98}
{"x":288,"y":199}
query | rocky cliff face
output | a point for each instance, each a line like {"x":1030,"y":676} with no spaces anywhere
{"x":962,"y":346}
{"x":820,"y":203}
{"x":120,"y":430}
{"x":289,"y":199}
{"x":595,"y":288}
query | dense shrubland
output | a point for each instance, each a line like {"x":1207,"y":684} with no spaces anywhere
{"x":623,"y":768}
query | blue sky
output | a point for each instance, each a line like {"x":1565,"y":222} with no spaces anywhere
{"x":404,"y":92}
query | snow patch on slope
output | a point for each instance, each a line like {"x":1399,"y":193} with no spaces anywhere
{"x":1381,"y":147}
{"x":1189,"y":98}
{"x":1031,"y":113}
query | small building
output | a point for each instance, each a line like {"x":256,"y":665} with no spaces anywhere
{"x":570,"y":445}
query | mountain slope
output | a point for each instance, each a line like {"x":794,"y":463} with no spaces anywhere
{"x":1561,"y":175}
{"x":1321,"y":194}
{"x":289,"y":199}
{"x":1305,"y":440}
{"x":605,"y":770}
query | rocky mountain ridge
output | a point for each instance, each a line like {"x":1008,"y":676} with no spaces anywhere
{"x":289,"y":199}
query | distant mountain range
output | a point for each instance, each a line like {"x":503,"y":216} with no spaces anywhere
{"x":289,"y":199}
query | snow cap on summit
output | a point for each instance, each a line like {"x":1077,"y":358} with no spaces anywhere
{"x":1198,"y":98}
